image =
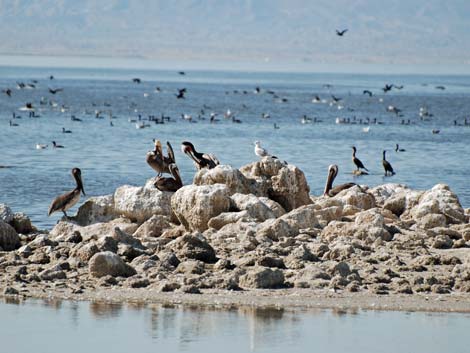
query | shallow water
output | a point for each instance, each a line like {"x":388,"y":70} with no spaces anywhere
{"x":113,"y":156}
{"x":56,"y":326}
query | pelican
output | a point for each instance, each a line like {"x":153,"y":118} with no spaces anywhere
{"x":387,"y":166}
{"x":358,"y":163}
{"x":158,"y":161}
{"x":201,"y":160}
{"x":170,"y":184}
{"x":329,"y":189}
{"x":69,"y":199}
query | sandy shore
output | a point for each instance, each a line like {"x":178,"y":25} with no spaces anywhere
{"x":282,"y":298}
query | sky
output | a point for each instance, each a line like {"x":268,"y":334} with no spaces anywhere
{"x":295,"y":34}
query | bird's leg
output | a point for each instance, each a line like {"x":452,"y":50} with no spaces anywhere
{"x":65,"y":214}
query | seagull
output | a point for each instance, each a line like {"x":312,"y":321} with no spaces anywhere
{"x":41,"y":146}
{"x":341,"y":33}
{"x":260,"y":151}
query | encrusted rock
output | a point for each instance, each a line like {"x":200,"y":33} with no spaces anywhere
{"x":235,"y":181}
{"x":108,"y":263}
{"x":153,"y":227}
{"x":283,"y":183}
{"x":6,"y":214}
{"x":9,"y":239}
{"x":96,"y":210}
{"x":195,"y":205}
{"x":141,"y":203}
{"x":22,"y":223}
{"x":262,"y":277}
{"x":193,"y":247}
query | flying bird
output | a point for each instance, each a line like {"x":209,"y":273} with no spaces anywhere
{"x":341,"y":33}
{"x":366,"y":91}
{"x":54,"y":91}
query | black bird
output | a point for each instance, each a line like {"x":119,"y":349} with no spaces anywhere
{"x":387,"y":166}
{"x":398,"y":87}
{"x":54,"y":91}
{"x":136,"y":80}
{"x":440,"y":87}
{"x":181,"y":93}
{"x":66,"y":131}
{"x":56,"y":145}
{"x":387,"y":88}
{"x":335,"y":99}
{"x":329,"y":189}
{"x":69,"y":199}
{"x":182,"y":73}
{"x":366,"y":91}
{"x":398,"y":149}
{"x":357,"y":161}
{"x":341,"y":33}
{"x":13,"y":124}
{"x":276,"y":127}
{"x":74,"y":118}
{"x":51,"y":77}
{"x":7,"y":92}
{"x":201,"y":160}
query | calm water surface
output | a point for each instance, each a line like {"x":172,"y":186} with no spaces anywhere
{"x":113,"y":156}
{"x":54,"y":326}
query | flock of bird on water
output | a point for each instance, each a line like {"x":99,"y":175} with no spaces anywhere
{"x":166,"y":163}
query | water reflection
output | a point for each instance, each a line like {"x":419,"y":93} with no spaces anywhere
{"x":176,"y":328}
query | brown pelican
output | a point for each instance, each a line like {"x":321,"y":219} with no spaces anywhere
{"x":170,"y":184}
{"x":201,"y":160}
{"x":158,"y":161}
{"x":387,"y":166}
{"x":329,"y":189}
{"x":69,"y":199}
{"x":358,"y":163}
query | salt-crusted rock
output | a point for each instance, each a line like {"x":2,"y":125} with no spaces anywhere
{"x":85,"y":252}
{"x":153,"y":227}
{"x":253,"y":205}
{"x":6,"y":215}
{"x":225,"y":218}
{"x":108,"y":263}
{"x":301,"y":218}
{"x":195,"y":205}
{"x":193,"y":247}
{"x":440,"y":200}
{"x":285,"y":184}
{"x":442,"y":241}
{"x":53,"y":273}
{"x":9,"y":239}
{"x":96,"y":210}
{"x":64,"y":229}
{"x":22,"y":223}
{"x":355,"y":196}
{"x":275,"y":207}
{"x":141,"y":203}
{"x":275,"y":229}
{"x":432,"y":220}
{"x":262,"y":277}
{"x":235,"y":181}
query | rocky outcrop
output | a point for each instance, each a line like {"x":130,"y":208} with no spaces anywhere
{"x":195,"y":205}
{"x":141,"y":203}
{"x":249,"y":229}
{"x":284,"y":183}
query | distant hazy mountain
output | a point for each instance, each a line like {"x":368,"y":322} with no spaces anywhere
{"x":413,"y":31}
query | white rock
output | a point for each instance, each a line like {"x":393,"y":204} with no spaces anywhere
{"x":141,"y":203}
{"x":107,"y":263}
{"x":195,"y":205}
